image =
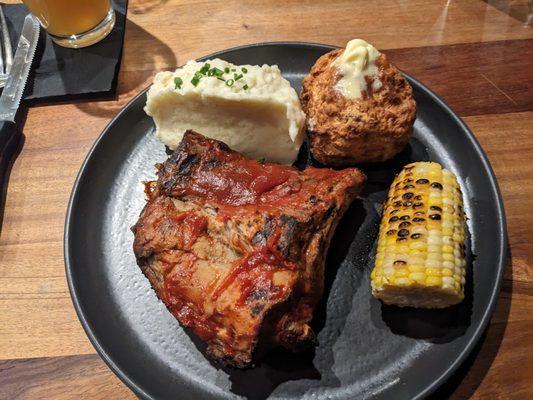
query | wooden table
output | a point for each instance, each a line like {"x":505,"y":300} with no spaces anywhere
{"x":477,"y":56}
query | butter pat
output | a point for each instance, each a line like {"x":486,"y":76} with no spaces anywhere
{"x":251,"y":108}
{"x":355,"y":64}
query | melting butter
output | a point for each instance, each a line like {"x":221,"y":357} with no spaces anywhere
{"x":357,"y":62}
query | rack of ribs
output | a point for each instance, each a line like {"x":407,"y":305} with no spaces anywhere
{"x":235,"y":247}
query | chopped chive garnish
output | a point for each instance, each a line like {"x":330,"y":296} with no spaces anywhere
{"x":221,"y":79}
{"x":178,"y":82}
{"x":237,"y":76}
{"x":245,"y":87}
{"x":215,"y":72}
{"x":244,"y":70}
{"x":233,"y":70}
{"x":230,"y":82}
{"x":205,"y":68}
{"x":261,"y":160}
{"x":195,"y":80}
{"x":226,"y":70}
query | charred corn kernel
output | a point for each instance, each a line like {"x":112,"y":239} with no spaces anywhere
{"x":420,"y":254}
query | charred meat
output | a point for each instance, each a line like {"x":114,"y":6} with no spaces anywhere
{"x":235,"y":248}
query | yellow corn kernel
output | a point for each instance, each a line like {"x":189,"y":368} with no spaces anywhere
{"x":402,"y":272}
{"x":402,"y":249}
{"x":448,"y":257}
{"x":448,"y":280}
{"x":433,"y":271}
{"x":418,"y":277}
{"x":447,"y":249}
{"x":402,"y":281}
{"x":433,"y":280}
{"x":448,"y":264}
{"x":416,"y":268}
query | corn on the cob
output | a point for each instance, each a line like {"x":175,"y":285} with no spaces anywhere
{"x":420,"y":260}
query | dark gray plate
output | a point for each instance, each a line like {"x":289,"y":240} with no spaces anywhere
{"x":366,"y":350}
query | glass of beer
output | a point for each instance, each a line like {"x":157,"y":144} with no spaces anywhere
{"x":74,"y":23}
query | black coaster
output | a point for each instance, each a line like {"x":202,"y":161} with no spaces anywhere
{"x":61,"y":74}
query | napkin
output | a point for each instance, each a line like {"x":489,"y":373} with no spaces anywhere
{"x":61,"y":74}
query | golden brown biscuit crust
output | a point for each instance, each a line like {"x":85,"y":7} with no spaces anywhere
{"x":373,"y":128}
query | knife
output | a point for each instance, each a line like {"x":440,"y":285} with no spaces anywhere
{"x":10,"y":99}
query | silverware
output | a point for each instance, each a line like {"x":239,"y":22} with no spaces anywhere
{"x":10,"y":136}
{"x":6,"y":53}
{"x":16,"y":81}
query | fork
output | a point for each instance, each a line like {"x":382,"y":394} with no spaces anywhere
{"x":6,"y":53}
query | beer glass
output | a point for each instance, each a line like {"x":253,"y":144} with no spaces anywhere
{"x":74,"y":23}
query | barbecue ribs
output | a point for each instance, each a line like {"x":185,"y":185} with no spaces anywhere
{"x":235,"y":248}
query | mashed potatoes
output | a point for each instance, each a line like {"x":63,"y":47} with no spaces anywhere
{"x":252,"y":109}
